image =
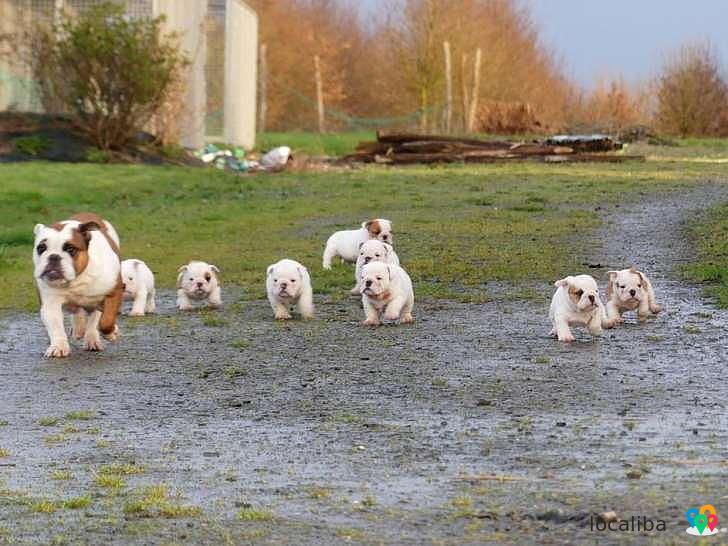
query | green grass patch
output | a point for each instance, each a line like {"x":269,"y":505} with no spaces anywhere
{"x":313,"y":143}
{"x":112,"y":482}
{"x":48,"y":421}
{"x":450,"y":243}
{"x":249,"y":513}
{"x":711,"y":265}
{"x":4,"y":453}
{"x":120,"y":470}
{"x":155,"y":502}
{"x":32,"y":145}
{"x":81,"y":415}
{"x":77,"y":503}
{"x":43,"y":506}
{"x":61,"y":475}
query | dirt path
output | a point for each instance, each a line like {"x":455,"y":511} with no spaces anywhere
{"x":379,"y":436}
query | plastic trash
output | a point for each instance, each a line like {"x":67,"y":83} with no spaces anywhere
{"x":276,"y":158}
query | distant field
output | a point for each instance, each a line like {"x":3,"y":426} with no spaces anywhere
{"x":457,"y":228}
{"x":314,"y":143}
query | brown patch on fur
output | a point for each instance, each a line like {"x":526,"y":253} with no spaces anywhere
{"x":573,"y":294}
{"x":80,"y":259}
{"x":373,"y":228}
{"x":110,"y":308}
{"x":380,"y":297}
{"x":89,"y":222}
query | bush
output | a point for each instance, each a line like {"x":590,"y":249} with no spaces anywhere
{"x":692,"y":95}
{"x":112,"y":73}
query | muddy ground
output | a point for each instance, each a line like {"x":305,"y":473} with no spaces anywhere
{"x":325,"y":432}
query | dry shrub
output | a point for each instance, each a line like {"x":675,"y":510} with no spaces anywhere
{"x":692,"y":94}
{"x":508,"y":118}
{"x":612,"y":107}
{"x":111,"y":73}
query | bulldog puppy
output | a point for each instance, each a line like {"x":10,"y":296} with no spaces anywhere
{"x":197,"y":281}
{"x":577,"y":302}
{"x":372,"y":251}
{"x":345,"y":244}
{"x":630,"y":289}
{"x":76,"y":265}
{"x":386,"y":292}
{"x":138,"y":283}
{"x":288,"y":283}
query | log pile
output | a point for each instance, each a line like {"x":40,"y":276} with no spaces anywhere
{"x":409,"y":149}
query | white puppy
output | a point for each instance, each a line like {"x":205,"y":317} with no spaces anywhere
{"x":198,"y":281}
{"x":373,"y":251}
{"x":577,"y":301}
{"x":288,"y":283}
{"x":628,"y":290}
{"x":345,"y":244}
{"x":386,"y":290}
{"x":76,"y":265}
{"x":138,"y":282}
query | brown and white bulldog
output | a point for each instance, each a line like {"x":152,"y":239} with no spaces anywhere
{"x":345,"y":244}
{"x":77,"y":266}
{"x":630,"y":290}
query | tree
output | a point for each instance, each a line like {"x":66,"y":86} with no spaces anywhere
{"x":691,"y":93}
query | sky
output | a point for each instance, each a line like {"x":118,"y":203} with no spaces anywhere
{"x":631,"y":38}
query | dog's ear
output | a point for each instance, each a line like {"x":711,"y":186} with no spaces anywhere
{"x":37,"y":229}
{"x":85,"y":229}
{"x":566,"y":281}
{"x":366,"y":224}
{"x":389,"y":272}
{"x":181,"y":272}
{"x":215,"y":268}
{"x":136,"y":263}
{"x":302,"y":271}
{"x":361,"y":245}
{"x":643,"y":279}
{"x":269,"y":271}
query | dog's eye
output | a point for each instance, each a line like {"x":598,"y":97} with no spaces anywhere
{"x":639,"y":286}
{"x":623,"y":286}
{"x":208,"y":277}
{"x":41,"y":248}
{"x":379,"y":278}
{"x":192,"y":278}
{"x":293,"y":281}
{"x":377,"y":255}
{"x":68,"y":247}
{"x":275,"y":280}
{"x":580,"y":293}
{"x":131,"y":278}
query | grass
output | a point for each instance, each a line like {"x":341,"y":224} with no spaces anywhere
{"x":711,"y":265}
{"x":249,"y":513}
{"x":155,"y":502}
{"x":77,"y":503}
{"x":314,"y":144}
{"x":81,"y":415}
{"x":4,"y":453}
{"x":456,"y":228}
{"x":48,"y":421}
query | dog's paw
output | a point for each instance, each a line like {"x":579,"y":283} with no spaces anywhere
{"x":408,"y":319}
{"x":371,"y":322}
{"x":133,"y":313}
{"x":327,"y":266}
{"x":568,"y":338}
{"x":114,"y":335}
{"x":184,"y":307}
{"x":283,"y":316}
{"x":656,"y":308}
{"x":95,"y":345}
{"x":78,"y":333}
{"x":59,"y":349}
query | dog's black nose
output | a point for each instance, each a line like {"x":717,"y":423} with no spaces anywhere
{"x":123,"y":286}
{"x":367,"y":260}
{"x":284,"y":284}
{"x":632,"y":292}
{"x":54,"y":258}
{"x":591,"y":299}
{"x":199,"y":285}
{"x":368,"y":283}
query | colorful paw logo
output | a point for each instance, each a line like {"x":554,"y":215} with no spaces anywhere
{"x":703,"y":521}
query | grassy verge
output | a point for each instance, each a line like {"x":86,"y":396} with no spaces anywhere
{"x":457,"y":228}
{"x":711,"y":266}
{"x":314,"y":144}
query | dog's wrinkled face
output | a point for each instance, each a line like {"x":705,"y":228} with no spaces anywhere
{"x":197,"y":279}
{"x":287,"y":280}
{"x":60,"y":252}
{"x":627,"y":284}
{"x":130,"y":278}
{"x":583,"y":291}
{"x":375,"y":278}
{"x":380,"y":229}
{"x":374,"y":251}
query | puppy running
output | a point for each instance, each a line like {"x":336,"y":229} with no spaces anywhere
{"x":138,"y":284}
{"x":628,"y":290}
{"x":372,"y":251}
{"x":386,"y":291}
{"x":198,"y":281}
{"x":577,"y":301}
{"x":345,"y":244}
{"x":288,"y":283}
{"x":76,"y":265}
